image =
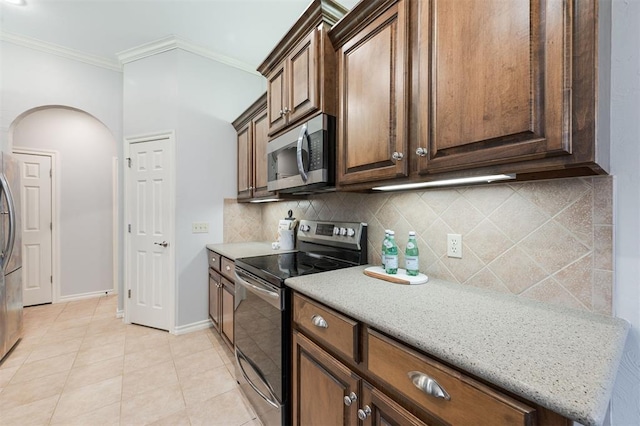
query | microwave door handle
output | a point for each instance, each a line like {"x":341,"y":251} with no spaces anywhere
{"x":7,"y":250}
{"x":303,"y":137}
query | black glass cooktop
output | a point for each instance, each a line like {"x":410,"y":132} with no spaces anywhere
{"x":276,"y":268}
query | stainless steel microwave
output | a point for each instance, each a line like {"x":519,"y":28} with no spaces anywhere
{"x":302,"y":160}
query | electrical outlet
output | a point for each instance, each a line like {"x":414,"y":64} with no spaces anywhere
{"x":454,"y":245}
{"x":199,"y":228}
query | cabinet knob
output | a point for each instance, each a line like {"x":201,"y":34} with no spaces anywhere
{"x":422,"y":152}
{"x":428,"y":385}
{"x":397,"y":156}
{"x":228,"y":268}
{"x":350,"y":398}
{"x":281,"y":113}
{"x":365,"y":412}
{"x":318,"y":321}
{"x":213,"y":259}
{"x":287,"y":110}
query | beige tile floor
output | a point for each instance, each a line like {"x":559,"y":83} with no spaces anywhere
{"x":78,"y":364}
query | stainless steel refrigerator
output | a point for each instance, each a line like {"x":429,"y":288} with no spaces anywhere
{"x":10,"y":255}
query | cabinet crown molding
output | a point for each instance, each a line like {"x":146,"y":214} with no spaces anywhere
{"x":252,"y":111}
{"x":319,"y":12}
{"x":359,"y":17}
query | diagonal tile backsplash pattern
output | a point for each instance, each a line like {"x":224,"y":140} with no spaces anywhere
{"x":544,"y":240}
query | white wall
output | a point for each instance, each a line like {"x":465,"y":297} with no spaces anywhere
{"x":85,"y":149}
{"x":32,"y":79}
{"x":625,"y":166}
{"x":197,"y":98}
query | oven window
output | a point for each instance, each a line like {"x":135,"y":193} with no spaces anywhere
{"x":258,"y":334}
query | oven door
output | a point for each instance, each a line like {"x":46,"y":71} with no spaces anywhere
{"x":259,"y":313}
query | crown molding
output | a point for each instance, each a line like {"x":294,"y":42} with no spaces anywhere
{"x":61,"y":51}
{"x":173,"y":42}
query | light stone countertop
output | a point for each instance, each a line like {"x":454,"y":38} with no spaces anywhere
{"x":234,"y":251}
{"x":563,"y":359}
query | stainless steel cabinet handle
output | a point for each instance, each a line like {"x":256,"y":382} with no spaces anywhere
{"x":428,"y":385}
{"x":397,"y":156}
{"x":422,"y":152}
{"x":349,"y":399}
{"x":163,"y":244}
{"x":318,"y":321}
{"x":365,"y":412}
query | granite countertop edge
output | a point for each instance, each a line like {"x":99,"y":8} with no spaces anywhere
{"x":589,"y":410}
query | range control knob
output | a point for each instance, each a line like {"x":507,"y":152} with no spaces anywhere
{"x":305,"y":228}
{"x":336,"y":230}
{"x":343,"y":231}
{"x":351,"y":232}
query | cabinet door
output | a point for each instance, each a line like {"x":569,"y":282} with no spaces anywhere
{"x":228,"y":290}
{"x":244,"y":162}
{"x":302,"y":80}
{"x":373,"y":100}
{"x":382,"y":410}
{"x":276,"y":99}
{"x":214,"y":299}
{"x":495,"y":82}
{"x":320,"y":384}
{"x":260,"y":140}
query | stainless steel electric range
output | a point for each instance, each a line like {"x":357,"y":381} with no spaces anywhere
{"x":263,"y":309}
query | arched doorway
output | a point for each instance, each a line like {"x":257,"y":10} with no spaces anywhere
{"x":83,"y":187}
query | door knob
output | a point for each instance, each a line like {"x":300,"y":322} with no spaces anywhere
{"x":163,"y":244}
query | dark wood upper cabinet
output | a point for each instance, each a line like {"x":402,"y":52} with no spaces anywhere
{"x":495,"y":82}
{"x":252,"y":127}
{"x":469,"y":87}
{"x":373,"y":101}
{"x":300,"y":71}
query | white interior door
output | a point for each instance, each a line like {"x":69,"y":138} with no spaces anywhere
{"x":35,"y":192}
{"x":151,"y":220}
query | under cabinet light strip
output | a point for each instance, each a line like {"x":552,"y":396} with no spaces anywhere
{"x":446,"y":182}
{"x":265,"y":200}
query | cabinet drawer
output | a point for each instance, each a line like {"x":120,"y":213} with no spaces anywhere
{"x":214,"y":260}
{"x":327,"y":326}
{"x":227,"y":267}
{"x":460,"y":400}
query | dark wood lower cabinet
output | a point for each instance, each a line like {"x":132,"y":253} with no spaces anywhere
{"x":391,"y":384}
{"x":382,"y":410}
{"x":326,"y":392}
{"x":320,"y":384}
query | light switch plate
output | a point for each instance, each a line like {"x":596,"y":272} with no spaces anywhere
{"x":454,"y":245}
{"x":199,"y":228}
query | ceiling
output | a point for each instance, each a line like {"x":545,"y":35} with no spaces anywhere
{"x":245,"y":30}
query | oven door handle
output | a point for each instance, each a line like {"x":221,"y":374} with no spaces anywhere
{"x":302,"y":137}
{"x":270,"y":296}
{"x":271,"y":399}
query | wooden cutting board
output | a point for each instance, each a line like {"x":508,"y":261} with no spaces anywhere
{"x":400,"y":278}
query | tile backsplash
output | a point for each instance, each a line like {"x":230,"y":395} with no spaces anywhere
{"x":544,"y":240}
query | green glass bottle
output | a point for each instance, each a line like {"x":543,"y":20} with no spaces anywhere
{"x":391,"y":259}
{"x":412,"y":265}
{"x":383,"y":250}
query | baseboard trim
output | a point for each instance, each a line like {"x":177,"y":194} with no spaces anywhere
{"x":83,"y":296}
{"x":194,"y":326}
